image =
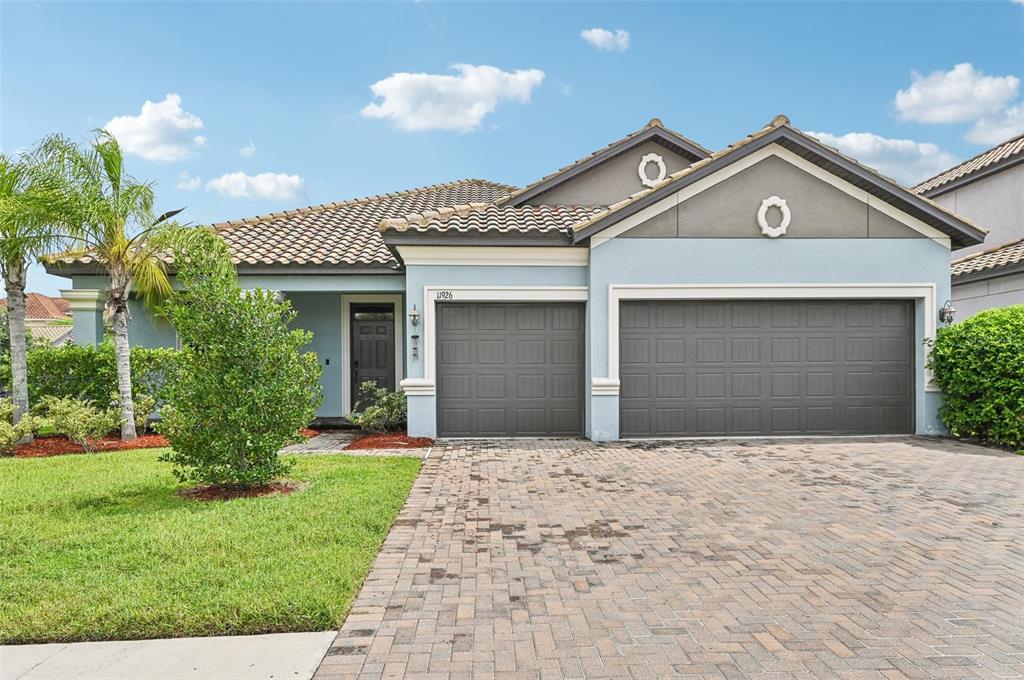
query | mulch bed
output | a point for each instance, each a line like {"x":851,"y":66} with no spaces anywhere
{"x":390,"y":441}
{"x":220,"y":492}
{"x":54,"y":445}
{"x":308,"y":433}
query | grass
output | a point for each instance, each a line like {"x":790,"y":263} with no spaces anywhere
{"x":100,"y":547}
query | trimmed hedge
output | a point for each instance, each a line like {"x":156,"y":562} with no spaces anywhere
{"x":90,"y":372}
{"x":979,"y":364}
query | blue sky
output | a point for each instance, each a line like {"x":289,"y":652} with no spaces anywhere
{"x":924,"y":84}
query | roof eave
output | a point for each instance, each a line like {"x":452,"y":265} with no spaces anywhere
{"x":998,"y":271}
{"x":970,"y":178}
{"x":961,"y":233}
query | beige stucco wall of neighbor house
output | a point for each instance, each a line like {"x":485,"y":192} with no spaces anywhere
{"x":612,"y":181}
{"x":995,"y":203}
{"x":975,"y":296}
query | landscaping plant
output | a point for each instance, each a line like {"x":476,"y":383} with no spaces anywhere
{"x":979,"y":364}
{"x":383,"y":410}
{"x":80,"y":421}
{"x":243,"y":386}
{"x":10,"y":432}
{"x":115,"y":223}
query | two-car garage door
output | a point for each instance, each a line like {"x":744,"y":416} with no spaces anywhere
{"x":686,"y":368}
{"x":774,"y":367}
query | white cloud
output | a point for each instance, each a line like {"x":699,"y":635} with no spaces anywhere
{"x":271,"y":185}
{"x":612,"y":41}
{"x":904,"y":160}
{"x":247,"y":151}
{"x":998,"y":129}
{"x":425,"y":101}
{"x":163,"y":131}
{"x":188,"y":182}
{"x":956,"y":96}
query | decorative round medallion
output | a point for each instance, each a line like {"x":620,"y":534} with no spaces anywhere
{"x":762,"y":216}
{"x":642,"y":169}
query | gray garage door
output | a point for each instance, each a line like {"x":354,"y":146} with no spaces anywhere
{"x":774,"y":367}
{"x":509,"y":369}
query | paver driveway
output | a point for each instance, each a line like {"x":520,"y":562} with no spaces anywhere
{"x":567,"y":559}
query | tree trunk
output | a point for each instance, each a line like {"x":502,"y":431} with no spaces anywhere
{"x":119,"y":305}
{"x":14,"y":282}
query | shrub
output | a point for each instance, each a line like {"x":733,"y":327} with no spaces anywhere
{"x":90,"y":372}
{"x":78,"y":420}
{"x":979,"y":364}
{"x":11,"y":434}
{"x":144,"y":407}
{"x":385,"y":412}
{"x":242,"y":387}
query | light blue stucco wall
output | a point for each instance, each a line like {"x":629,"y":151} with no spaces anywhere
{"x":422,"y":408}
{"x":760,"y":261}
{"x":320,"y":313}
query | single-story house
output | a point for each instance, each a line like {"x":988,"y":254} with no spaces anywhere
{"x":47,"y":319}
{"x":989,"y":190}
{"x":651,"y":289}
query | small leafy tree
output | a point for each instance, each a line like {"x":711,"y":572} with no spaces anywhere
{"x":979,"y":364}
{"x":77,"y":419}
{"x":242,"y":387}
{"x":383,"y":410}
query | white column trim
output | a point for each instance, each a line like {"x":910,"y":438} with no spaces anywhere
{"x":347,"y":300}
{"x":85,"y":299}
{"x":852,"y":291}
{"x":427,"y":385}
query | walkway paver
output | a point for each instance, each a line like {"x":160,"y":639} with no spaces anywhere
{"x":790,"y":558}
{"x":243,"y":657}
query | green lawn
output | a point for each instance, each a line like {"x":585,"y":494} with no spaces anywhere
{"x":99,"y":546}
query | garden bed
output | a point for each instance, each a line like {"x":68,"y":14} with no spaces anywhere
{"x":397,"y":440}
{"x":56,"y":445}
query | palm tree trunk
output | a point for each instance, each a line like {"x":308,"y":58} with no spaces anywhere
{"x":14,"y":282}
{"x":124,"y":369}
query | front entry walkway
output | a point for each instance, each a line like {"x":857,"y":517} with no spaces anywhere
{"x":568,"y":559}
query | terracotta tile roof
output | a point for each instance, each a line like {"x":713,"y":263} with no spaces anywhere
{"x":1007,"y":149}
{"x":39,"y":306}
{"x":777,"y":122}
{"x":489,"y":218}
{"x":55,"y":335}
{"x":654,"y":123}
{"x":342,"y":233}
{"x":1006,"y":254}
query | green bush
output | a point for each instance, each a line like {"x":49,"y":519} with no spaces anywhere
{"x":242,"y":387}
{"x":979,"y":364}
{"x":12,"y":434}
{"x":90,"y":373}
{"x":78,"y":420}
{"x":144,"y":407}
{"x":384,"y":411}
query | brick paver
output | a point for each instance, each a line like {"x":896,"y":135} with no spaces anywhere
{"x":894,"y":558}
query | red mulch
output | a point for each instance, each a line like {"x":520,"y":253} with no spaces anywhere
{"x":57,"y":446}
{"x":308,"y":433}
{"x":220,"y":492}
{"x":390,"y":441}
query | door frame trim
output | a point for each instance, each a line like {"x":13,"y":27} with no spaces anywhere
{"x":610,"y":384}
{"x":427,"y":385}
{"x":347,"y":300}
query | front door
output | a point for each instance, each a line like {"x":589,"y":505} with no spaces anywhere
{"x":373,"y":348}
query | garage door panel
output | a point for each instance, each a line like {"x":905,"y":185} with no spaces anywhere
{"x":774,"y":367}
{"x":510,"y":369}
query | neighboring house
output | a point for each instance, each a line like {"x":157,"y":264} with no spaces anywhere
{"x":651,"y":289}
{"x":47,"y":319}
{"x":989,"y":190}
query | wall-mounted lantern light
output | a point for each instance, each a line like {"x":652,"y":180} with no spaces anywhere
{"x":947,"y":312}
{"x":414,"y":317}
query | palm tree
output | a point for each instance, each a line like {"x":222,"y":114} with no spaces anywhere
{"x":116,"y":226}
{"x":32,"y":223}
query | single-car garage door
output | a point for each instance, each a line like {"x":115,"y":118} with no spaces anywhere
{"x":509,"y":369}
{"x":772,"y":367}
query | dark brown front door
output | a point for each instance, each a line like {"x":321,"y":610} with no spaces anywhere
{"x":373,"y":348}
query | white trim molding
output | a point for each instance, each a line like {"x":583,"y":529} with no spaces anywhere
{"x":427,"y":385}
{"x":495,"y":256}
{"x":604,"y":387}
{"x":742,"y":164}
{"x":85,"y":299}
{"x":924,"y":292}
{"x":347,"y":300}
